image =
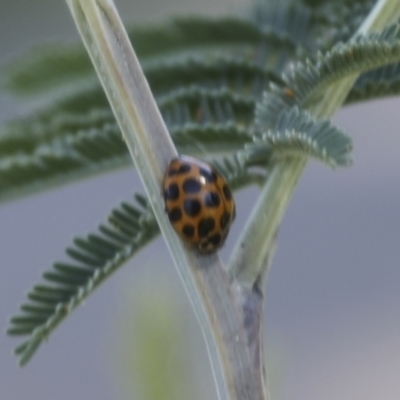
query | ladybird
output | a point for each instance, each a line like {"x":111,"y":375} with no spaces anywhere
{"x":198,"y":202}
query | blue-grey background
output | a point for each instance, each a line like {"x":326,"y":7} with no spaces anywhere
{"x":333,"y":298}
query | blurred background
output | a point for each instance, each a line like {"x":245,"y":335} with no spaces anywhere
{"x":332,"y":322}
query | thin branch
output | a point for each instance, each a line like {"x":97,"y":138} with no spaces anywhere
{"x":250,"y":256}
{"x":204,"y":278}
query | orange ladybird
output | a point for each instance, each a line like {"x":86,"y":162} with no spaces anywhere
{"x":198,"y":202}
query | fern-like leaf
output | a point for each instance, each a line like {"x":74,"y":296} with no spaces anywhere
{"x":54,"y":66}
{"x":206,"y":105}
{"x":68,"y":145}
{"x":95,"y":150}
{"x":93,"y":259}
{"x":206,"y":76}
{"x":308,"y":81}
{"x":381,"y":82}
{"x":90,"y":110}
{"x":210,"y":138}
{"x":316,"y":25}
{"x":340,"y":20}
{"x":240,"y":74}
{"x":68,"y":284}
{"x":297,"y":133}
{"x":293,"y":19}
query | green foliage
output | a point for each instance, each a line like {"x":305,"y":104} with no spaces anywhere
{"x":206,"y":76}
{"x":308,"y":80}
{"x":314,"y":24}
{"x":298,"y":134}
{"x":93,"y":260}
{"x":193,"y":104}
{"x":182,"y":41}
{"x":46,"y":67}
{"x":209,"y":138}
{"x":240,"y":74}
{"x":381,"y":82}
{"x":342,"y":19}
{"x":65,"y":145}
{"x":207,"y":91}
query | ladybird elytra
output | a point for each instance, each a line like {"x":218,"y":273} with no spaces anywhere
{"x":199,"y":203}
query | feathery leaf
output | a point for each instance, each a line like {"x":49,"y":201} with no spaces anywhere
{"x":294,"y":19}
{"x":206,"y":75}
{"x":342,"y":19}
{"x":210,"y":138}
{"x":94,"y":150}
{"x":54,"y":66}
{"x":236,"y":72}
{"x":92,"y":260}
{"x":297,"y":133}
{"x":307,"y":81}
{"x":381,"y":82}
{"x":206,"y":105}
{"x":59,"y":143}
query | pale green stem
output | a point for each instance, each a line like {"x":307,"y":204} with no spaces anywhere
{"x":268,"y":214}
{"x":204,"y":278}
{"x":247,"y":262}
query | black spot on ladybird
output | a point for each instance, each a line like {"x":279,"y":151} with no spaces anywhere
{"x":188,"y":230}
{"x":172,"y":192}
{"x":191,"y":186}
{"x":215,"y":240}
{"x":209,"y":175}
{"x":211,"y":199}
{"x":224,"y":221}
{"x":206,"y":225}
{"x":227,"y":192}
{"x":192,"y":207}
{"x":184,"y":168}
{"x":175,"y":214}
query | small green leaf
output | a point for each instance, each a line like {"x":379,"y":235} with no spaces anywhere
{"x":297,"y":133}
{"x":69,"y":284}
{"x":381,"y":82}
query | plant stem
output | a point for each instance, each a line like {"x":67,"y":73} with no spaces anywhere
{"x":250,"y":258}
{"x":204,"y":278}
